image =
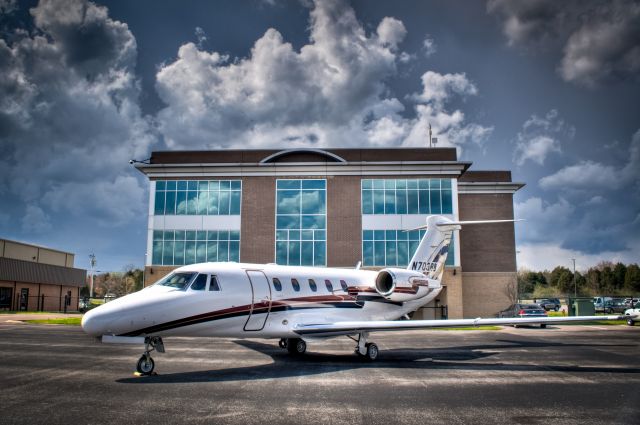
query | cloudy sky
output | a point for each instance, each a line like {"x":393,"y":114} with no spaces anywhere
{"x":547,"y":89}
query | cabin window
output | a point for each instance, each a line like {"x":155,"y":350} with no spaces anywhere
{"x":328,"y":284}
{"x":176,"y":280}
{"x":276,"y":284}
{"x":295,"y":284}
{"x":214,"y":285}
{"x":344,"y":285}
{"x":199,"y":283}
{"x":312,"y":285}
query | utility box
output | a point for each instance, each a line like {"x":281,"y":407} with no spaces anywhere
{"x":584,"y":308}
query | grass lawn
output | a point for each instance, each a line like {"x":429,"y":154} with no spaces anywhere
{"x":67,"y":321}
{"x":37,"y":312}
{"x":594,"y":322}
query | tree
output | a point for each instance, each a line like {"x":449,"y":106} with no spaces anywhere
{"x":632,"y":279}
{"x":619,"y":272}
{"x":562,"y":279}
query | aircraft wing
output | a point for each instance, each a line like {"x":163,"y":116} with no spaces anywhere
{"x":348,"y":328}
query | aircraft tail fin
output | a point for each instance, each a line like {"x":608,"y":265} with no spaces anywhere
{"x":431,"y":255}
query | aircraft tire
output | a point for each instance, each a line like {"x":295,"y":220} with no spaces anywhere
{"x":282,"y":343}
{"x":145,"y":367}
{"x":372,"y":351}
{"x":543,"y":325}
{"x":296,"y":346}
{"x":630,"y":322}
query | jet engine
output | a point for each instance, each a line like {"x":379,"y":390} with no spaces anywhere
{"x":402,"y":284}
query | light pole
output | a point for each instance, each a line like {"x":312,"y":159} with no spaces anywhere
{"x":575,"y":286}
{"x":92,"y":262}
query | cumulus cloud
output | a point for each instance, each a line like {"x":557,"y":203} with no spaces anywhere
{"x":429,"y":46}
{"x":595,"y":211}
{"x":605,"y":47}
{"x":589,"y":175}
{"x":391,"y":32}
{"x":540,"y":137}
{"x":599,"y":39}
{"x":69,"y":114}
{"x":330,"y":92}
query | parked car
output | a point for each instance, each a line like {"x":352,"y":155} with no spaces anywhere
{"x":615,"y":305}
{"x":631,"y":312}
{"x":549,"y":304}
{"x":599,"y":303}
{"x":524,"y":310}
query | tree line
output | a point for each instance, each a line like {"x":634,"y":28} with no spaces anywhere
{"x":606,"y":278}
{"x":116,"y":283}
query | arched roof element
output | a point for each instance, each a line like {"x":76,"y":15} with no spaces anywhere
{"x":328,"y":156}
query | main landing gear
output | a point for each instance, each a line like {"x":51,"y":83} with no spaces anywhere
{"x":146,"y":364}
{"x":295,"y":346}
{"x":364,"y":349}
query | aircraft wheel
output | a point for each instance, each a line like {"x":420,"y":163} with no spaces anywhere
{"x":296,"y":346}
{"x":630,"y":322}
{"x":543,"y":325}
{"x":145,"y":365}
{"x":282,"y":343}
{"x":372,"y":351}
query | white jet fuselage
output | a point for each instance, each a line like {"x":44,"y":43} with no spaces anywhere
{"x":250,"y":304}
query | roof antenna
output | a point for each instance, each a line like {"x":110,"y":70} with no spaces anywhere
{"x":432,"y":140}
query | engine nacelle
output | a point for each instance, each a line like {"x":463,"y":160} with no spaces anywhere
{"x":401,"y":284}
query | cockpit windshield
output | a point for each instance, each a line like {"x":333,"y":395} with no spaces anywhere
{"x":176,"y":280}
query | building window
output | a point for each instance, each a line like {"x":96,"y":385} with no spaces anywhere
{"x":301,"y":222}
{"x":411,"y":196}
{"x":386,"y":248}
{"x":198,"y":197}
{"x":180,"y":247}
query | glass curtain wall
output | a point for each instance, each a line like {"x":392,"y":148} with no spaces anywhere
{"x":387,"y":248}
{"x":180,"y":247}
{"x":198,"y":197}
{"x":301,"y":222}
{"x":410,"y":196}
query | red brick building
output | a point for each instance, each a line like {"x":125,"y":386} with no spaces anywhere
{"x":334,"y":208}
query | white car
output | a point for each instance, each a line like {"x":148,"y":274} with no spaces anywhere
{"x":634,"y":314}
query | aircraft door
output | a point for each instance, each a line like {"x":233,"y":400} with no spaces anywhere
{"x":260,"y":302}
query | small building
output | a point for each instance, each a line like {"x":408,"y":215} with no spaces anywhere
{"x":35,"y":278}
{"x":333,"y":208}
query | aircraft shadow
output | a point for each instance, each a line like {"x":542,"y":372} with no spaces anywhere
{"x":460,"y":358}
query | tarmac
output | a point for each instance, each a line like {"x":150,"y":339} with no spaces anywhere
{"x":54,"y":374}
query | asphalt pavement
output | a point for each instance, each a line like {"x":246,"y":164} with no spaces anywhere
{"x":563,"y":374}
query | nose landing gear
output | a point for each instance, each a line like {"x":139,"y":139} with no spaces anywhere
{"x":146,"y":364}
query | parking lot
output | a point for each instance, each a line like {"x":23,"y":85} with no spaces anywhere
{"x":563,"y":374}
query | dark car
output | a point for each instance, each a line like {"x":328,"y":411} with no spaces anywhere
{"x":549,"y":304}
{"x":524,"y":310}
{"x":616,"y":305}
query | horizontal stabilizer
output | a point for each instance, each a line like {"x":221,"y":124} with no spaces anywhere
{"x":461,"y":223}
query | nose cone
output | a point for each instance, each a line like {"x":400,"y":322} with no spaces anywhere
{"x":95,"y":322}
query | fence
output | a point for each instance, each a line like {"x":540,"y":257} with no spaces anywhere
{"x":43,"y":302}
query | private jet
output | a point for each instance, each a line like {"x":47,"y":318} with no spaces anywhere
{"x":289,"y":303}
